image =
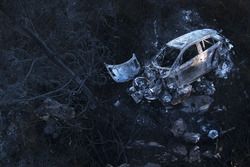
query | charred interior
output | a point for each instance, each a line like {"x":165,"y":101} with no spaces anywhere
{"x":167,"y":57}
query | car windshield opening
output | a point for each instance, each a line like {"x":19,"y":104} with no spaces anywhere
{"x":167,"y":57}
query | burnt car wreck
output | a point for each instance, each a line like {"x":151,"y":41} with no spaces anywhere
{"x":170,"y":75}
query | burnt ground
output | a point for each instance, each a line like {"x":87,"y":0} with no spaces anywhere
{"x":46,"y":117}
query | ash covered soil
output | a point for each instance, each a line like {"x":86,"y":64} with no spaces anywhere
{"x":59,"y":106}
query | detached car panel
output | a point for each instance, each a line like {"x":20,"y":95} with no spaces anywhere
{"x":125,"y":71}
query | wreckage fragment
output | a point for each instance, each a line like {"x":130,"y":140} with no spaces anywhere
{"x":125,"y":71}
{"x":224,"y":68}
{"x":213,"y":134}
{"x":205,"y":87}
{"x":140,"y":83}
{"x":151,"y":73}
{"x":144,"y":88}
{"x":136,"y":95}
{"x":181,"y":94}
{"x":225,"y":64}
{"x":197,"y":104}
{"x":166,"y":98}
{"x":191,"y":137}
{"x":153,"y":90}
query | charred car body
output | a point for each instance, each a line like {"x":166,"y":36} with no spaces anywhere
{"x":169,"y":75}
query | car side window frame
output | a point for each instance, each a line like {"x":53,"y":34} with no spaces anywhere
{"x":202,"y":43}
{"x":178,"y":62}
{"x":196,"y":44}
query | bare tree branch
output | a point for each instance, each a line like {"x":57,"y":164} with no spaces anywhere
{"x":54,"y":57}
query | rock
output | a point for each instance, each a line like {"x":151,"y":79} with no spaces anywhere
{"x":52,"y":108}
{"x":179,"y":127}
{"x":117,"y":103}
{"x":194,"y":154}
{"x":154,"y":144}
{"x":180,"y":150}
{"x":195,"y":104}
{"x":50,"y":128}
{"x":205,"y":87}
{"x":12,"y":131}
{"x":174,"y":158}
{"x":208,"y":154}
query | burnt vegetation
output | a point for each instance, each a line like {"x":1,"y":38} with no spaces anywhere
{"x":56,"y":98}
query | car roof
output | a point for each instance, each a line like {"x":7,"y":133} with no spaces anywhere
{"x":190,"y":37}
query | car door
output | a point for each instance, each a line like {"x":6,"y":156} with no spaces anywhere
{"x":209,"y":47}
{"x":192,"y":65}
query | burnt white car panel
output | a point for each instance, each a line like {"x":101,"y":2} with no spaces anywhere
{"x":125,"y":71}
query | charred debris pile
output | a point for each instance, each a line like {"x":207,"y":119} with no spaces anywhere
{"x":179,"y":77}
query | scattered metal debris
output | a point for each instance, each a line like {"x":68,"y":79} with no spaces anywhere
{"x":117,"y":103}
{"x":196,"y":104}
{"x":220,"y":108}
{"x":205,"y":87}
{"x":213,"y":134}
{"x":192,"y":137}
{"x":205,"y":128}
{"x":178,"y":64}
{"x":186,"y":15}
{"x":190,"y":16}
{"x":154,"y":144}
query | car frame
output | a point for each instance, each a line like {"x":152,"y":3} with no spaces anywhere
{"x":169,"y":75}
{"x":184,"y":73}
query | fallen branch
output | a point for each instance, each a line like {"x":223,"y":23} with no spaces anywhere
{"x":30,"y":70}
